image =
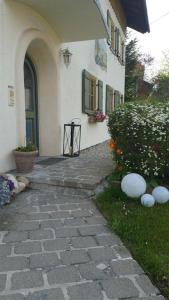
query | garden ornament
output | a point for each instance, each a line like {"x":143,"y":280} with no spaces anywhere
{"x":133,"y":185}
{"x":161,"y":194}
{"x":147,"y":200}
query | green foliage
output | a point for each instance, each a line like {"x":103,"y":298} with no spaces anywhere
{"x":161,"y":90}
{"x":28,"y":148}
{"x":132,"y":61}
{"x":141,"y":136}
{"x":144,"y":231}
{"x":136,"y":63}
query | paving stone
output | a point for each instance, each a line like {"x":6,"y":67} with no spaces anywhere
{"x":146,"y":285}
{"x":44,"y":260}
{"x":60,"y":215}
{"x":12,"y":297}
{"x":2,"y":282}
{"x":74,"y":222}
{"x":83,"y":242}
{"x":26,"y":280}
{"x":74,"y":257}
{"x":122,"y":251}
{"x":108,"y":240}
{"x":118,"y":288}
{"x":93,"y":230}
{"x":39,"y":216}
{"x":102,"y":254}
{"x":81,"y":213}
{"x":68,"y":207}
{"x":63,"y":275}
{"x":41,"y":234}
{"x":96,"y":220}
{"x":13,"y":263}
{"x":28,"y":226}
{"x":90,"y":271}
{"x":57,"y":244}
{"x":15,"y":236}
{"x":5,"y":250}
{"x":150,"y":298}
{"x":47,"y":208}
{"x":70,"y":213}
{"x":86,"y":291}
{"x":28,"y":248}
{"x":51,"y":294}
{"x":126,"y":267}
{"x":51,"y":224}
{"x":66,"y":232}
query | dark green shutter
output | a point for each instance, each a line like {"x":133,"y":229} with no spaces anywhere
{"x":117,"y":37}
{"x":109,"y":27}
{"x":117,"y":100}
{"x":86,"y":86}
{"x":100,"y":95}
{"x":109,"y":99}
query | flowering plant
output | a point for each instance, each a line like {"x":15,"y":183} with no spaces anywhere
{"x":99,"y":116}
{"x":140,"y":133}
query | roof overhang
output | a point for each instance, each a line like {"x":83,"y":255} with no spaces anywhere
{"x":72,"y":20}
{"x":136,"y":15}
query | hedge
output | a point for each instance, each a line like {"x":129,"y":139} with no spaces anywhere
{"x":140,"y":138}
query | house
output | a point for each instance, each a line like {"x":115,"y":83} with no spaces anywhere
{"x":40,"y":88}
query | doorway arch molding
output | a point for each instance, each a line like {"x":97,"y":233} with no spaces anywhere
{"x":43,"y":52}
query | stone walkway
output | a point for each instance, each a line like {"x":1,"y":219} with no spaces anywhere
{"x":86,"y":171}
{"x":55,"y":245}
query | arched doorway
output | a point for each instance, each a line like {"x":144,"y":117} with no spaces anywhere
{"x":31,"y":102}
{"x":41,"y":54}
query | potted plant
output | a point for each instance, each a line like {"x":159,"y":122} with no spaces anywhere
{"x":97,"y":116}
{"x":24,"y":157}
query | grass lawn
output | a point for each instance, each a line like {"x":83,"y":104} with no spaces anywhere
{"x":144,"y":231}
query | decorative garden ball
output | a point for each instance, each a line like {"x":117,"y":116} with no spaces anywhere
{"x":161,"y":194}
{"x":133,"y":185}
{"x":147,"y":200}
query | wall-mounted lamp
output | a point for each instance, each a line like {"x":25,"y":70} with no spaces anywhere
{"x":66,"y":56}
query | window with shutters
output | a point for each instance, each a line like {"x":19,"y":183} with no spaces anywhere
{"x":122,"y":99}
{"x":109,"y":99}
{"x":111,"y":27}
{"x":115,"y":40}
{"x":117,"y":99}
{"x":92,"y":93}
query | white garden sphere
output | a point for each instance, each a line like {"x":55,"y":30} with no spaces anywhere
{"x":161,"y":194}
{"x":133,"y":185}
{"x":147,"y":200}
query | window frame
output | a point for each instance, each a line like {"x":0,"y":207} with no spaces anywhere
{"x":109,"y":89}
{"x":95,"y":95}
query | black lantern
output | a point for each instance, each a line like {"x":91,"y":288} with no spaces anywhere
{"x":72,"y":138}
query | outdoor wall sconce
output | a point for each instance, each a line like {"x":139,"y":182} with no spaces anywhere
{"x":66,"y":56}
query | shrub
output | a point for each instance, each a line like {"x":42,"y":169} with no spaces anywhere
{"x":140,"y":138}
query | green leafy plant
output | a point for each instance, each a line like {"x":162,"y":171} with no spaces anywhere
{"x":140,"y":138}
{"x":28,"y":148}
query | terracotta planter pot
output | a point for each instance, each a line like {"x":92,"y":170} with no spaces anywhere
{"x":24,"y":160}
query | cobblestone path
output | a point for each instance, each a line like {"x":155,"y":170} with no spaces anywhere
{"x":55,"y":245}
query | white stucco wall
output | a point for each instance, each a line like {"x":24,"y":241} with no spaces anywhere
{"x":59,"y":88}
{"x":83,"y":57}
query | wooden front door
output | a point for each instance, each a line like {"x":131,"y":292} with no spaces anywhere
{"x":31,"y":102}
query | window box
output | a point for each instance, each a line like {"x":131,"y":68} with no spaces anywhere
{"x":91,"y":119}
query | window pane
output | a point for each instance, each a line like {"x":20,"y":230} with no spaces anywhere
{"x":28,"y":100}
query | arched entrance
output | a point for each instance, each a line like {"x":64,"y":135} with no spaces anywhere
{"x":31,"y":102}
{"x":43,"y":125}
